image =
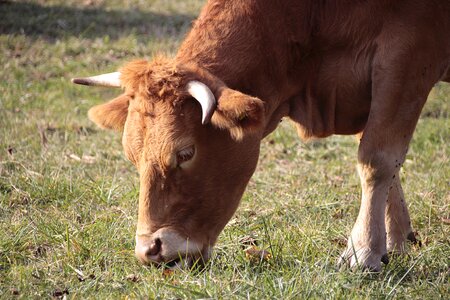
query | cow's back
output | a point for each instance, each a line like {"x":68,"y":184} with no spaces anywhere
{"x":318,"y":55}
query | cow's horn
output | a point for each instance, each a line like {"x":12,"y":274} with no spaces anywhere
{"x":108,"y":80}
{"x":205,"y":97}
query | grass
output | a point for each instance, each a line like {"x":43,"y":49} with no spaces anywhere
{"x":68,"y":198}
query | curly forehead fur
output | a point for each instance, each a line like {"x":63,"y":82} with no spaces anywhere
{"x":158,"y":80}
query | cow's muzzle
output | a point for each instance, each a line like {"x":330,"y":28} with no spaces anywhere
{"x":168,"y":247}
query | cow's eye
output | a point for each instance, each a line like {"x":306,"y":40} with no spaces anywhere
{"x":185,"y":155}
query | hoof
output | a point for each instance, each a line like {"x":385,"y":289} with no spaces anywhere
{"x":412,"y":238}
{"x":364,"y":259}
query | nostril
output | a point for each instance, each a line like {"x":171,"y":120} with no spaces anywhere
{"x":155,"y":247}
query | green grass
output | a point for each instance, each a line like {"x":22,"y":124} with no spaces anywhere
{"x":67,"y":226}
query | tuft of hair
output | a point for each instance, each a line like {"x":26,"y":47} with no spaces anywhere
{"x":157,"y":80}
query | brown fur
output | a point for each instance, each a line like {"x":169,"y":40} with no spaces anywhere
{"x":111,"y":115}
{"x":163,"y":80}
{"x":332,"y":67}
{"x":158,"y":80}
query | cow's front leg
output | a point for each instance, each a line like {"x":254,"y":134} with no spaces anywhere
{"x":400,"y":87}
{"x":380,"y":156}
{"x":398,"y":223}
{"x":367,"y":243}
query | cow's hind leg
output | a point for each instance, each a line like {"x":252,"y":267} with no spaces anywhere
{"x":398,"y":223}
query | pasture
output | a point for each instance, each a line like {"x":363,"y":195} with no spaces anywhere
{"x":68,"y":197}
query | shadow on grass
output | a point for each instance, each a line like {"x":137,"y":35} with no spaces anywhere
{"x":58,"y":22}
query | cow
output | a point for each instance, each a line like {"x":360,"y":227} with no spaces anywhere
{"x":192,"y":124}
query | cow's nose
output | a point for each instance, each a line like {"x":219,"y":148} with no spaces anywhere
{"x":154,"y":248}
{"x":149,"y":251}
{"x":165,"y":245}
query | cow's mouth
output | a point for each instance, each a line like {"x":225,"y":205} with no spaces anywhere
{"x":167,"y":248}
{"x":173,"y":264}
{"x":185,"y":263}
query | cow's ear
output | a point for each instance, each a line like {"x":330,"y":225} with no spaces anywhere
{"x":111,"y":115}
{"x":239,"y":113}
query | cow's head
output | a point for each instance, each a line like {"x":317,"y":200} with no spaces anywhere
{"x":195,"y":143}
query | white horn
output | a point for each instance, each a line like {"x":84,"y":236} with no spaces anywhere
{"x":205,"y":97}
{"x":108,"y":80}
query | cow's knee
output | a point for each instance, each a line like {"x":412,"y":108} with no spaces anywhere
{"x":379,"y":166}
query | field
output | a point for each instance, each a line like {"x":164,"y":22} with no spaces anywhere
{"x":68,"y":197}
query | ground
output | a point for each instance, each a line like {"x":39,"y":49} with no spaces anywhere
{"x":68,"y":197}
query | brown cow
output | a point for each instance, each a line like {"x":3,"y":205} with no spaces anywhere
{"x":332,"y":67}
